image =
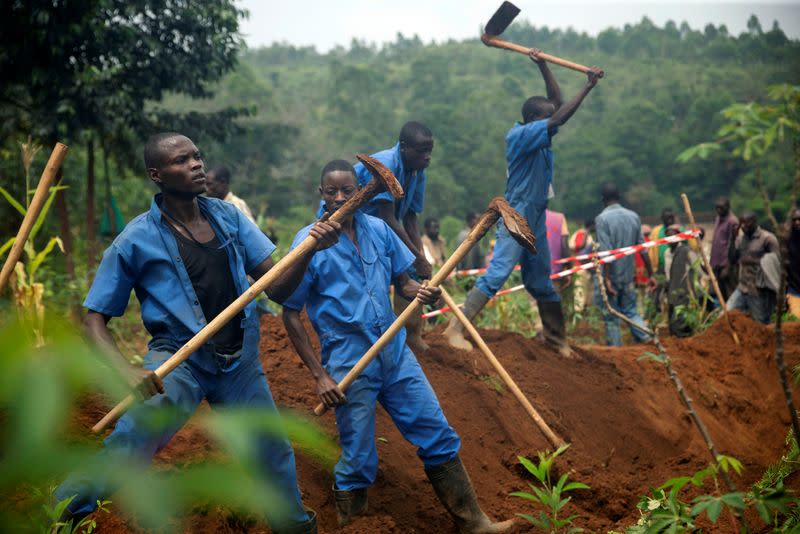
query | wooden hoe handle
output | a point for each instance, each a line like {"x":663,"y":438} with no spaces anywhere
{"x":496,"y":42}
{"x":551,"y":436}
{"x":37,"y":203}
{"x":260,"y":285}
{"x":486,"y":222}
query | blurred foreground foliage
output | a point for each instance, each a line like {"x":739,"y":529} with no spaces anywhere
{"x":40,"y":441}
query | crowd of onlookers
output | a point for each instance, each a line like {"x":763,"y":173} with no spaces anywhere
{"x":669,"y":279}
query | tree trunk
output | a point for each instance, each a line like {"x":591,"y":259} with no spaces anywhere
{"x":91,"y":223}
{"x":63,"y":221}
{"x":765,"y":197}
{"x":796,"y":184}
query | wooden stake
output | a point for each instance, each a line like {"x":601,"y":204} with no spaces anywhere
{"x":709,"y":270}
{"x":554,"y":439}
{"x":37,"y":203}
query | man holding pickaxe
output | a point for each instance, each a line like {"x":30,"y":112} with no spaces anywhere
{"x":407,"y":160}
{"x":188,"y":259}
{"x":345,"y":294}
{"x":528,"y":188}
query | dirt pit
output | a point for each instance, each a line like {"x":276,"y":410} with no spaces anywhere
{"x":626,"y":424}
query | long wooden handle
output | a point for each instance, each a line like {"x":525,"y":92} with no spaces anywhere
{"x":508,"y":45}
{"x":207,"y":332}
{"x":554,"y":439}
{"x":486,"y":222}
{"x":707,"y":264}
{"x":45,"y":183}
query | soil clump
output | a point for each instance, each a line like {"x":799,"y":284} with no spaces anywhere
{"x":626,"y":424}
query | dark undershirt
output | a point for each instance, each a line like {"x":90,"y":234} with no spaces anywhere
{"x":210,"y":274}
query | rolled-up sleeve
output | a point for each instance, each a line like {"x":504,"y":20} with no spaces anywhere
{"x":257,"y":246}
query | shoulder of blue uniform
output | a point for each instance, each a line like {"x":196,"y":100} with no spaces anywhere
{"x":140,"y":227}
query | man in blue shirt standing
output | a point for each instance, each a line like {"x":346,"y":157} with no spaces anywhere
{"x":528,"y":187}
{"x":619,"y":227}
{"x":407,"y":160}
{"x":344,"y":291}
{"x":187,"y":259}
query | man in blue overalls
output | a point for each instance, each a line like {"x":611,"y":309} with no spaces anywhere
{"x":528,"y":187}
{"x":407,"y":160}
{"x":187,"y":259}
{"x":345,"y":294}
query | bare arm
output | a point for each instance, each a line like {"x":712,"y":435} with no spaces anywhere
{"x":386,"y":212}
{"x":328,"y":391}
{"x":553,"y":90}
{"x":327,"y":234}
{"x":563,"y":114}
{"x":144,"y":381}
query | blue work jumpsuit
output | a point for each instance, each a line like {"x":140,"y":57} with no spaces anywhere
{"x":530,"y":174}
{"x":345,"y":291}
{"x":145,"y":258}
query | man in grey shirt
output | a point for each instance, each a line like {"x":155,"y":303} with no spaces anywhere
{"x":620,"y":227}
{"x":753,"y":295}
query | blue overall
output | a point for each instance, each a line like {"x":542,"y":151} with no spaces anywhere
{"x":145,"y":258}
{"x":345,"y":293}
{"x":530,"y":174}
{"x":413,"y":184}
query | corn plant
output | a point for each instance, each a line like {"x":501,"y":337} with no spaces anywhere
{"x":549,"y":497}
{"x":28,"y":292}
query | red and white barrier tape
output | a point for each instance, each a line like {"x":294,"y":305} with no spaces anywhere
{"x":610,"y":256}
{"x":634,"y":248}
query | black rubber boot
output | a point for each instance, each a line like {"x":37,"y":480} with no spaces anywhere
{"x":555,"y":333}
{"x":308,"y":527}
{"x":454,"y":489}
{"x":454,"y":333}
{"x":350,"y":504}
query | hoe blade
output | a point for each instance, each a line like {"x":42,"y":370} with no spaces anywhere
{"x":504,"y":15}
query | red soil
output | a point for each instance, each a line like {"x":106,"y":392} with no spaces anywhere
{"x":628,"y":429}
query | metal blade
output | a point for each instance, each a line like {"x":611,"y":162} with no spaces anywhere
{"x":501,"y":19}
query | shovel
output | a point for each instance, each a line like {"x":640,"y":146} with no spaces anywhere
{"x":501,"y":19}
{"x":497,"y":208}
{"x":382,"y":178}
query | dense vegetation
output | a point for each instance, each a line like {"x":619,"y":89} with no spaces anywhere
{"x":662,"y":93}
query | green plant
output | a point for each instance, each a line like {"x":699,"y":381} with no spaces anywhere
{"x":549,"y":496}
{"x":38,"y":389}
{"x":51,"y":521}
{"x":664,"y":510}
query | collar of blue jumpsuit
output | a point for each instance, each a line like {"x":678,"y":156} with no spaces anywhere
{"x":345,"y":290}
{"x":170,"y":310}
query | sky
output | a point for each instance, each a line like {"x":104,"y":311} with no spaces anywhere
{"x":327,"y":23}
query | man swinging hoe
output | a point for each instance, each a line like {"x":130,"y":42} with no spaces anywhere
{"x":344,"y":291}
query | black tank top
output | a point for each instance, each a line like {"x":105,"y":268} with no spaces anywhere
{"x":210,"y":274}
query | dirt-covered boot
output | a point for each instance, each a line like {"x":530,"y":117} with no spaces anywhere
{"x":413,"y":326}
{"x":555,"y":333}
{"x":349,"y":504}
{"x":454,"y":333}
{"x":454,"y":489}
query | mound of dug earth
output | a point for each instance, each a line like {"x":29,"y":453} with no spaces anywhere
{"x":627,"y":427}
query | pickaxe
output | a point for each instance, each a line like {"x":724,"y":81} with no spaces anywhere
{"x":501,"y":19}
{"x":497,"y":208}
{"x":382,"y":178}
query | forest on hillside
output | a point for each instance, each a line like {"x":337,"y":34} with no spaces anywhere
{"x":663,"y":90}
{"x":277,"y":114}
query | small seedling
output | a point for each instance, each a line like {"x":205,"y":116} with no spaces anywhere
{"x":549,"y":496}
